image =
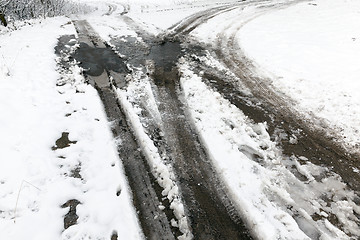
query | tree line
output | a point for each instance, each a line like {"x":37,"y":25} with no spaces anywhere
{"x":11,"y":10}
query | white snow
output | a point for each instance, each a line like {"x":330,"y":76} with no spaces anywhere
{"x":312,"y":51}
{"x":153,"y":16}
{"x":274,"y":202}
{"x":138,"y":93}
{"x":167,"y":13}
{"x":35,"y":181}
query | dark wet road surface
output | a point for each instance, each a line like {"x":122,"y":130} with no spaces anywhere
{"x":203,"y":193}
{"x":211,"y":213}
{"x":95,"y":60}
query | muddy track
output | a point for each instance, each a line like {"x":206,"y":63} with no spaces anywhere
{"x":146,"y":192}
{"x":211,"y":212}
{"x":185,"y":27}
{"x":268,"y":105}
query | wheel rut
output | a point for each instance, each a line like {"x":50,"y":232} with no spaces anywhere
{"x":314,"y":142}
{"x":210,"y":212}
{"x":145,"y":190}
{"x":265,"y":104}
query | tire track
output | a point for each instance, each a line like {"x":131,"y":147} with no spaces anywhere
{"x":276,"y":109}
{"x":211,"y":212}
{"x":316,"y":143}
{"x":146,"y":191}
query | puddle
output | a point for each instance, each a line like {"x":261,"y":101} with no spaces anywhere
{"x":166,"y":55}
{"x":71,"y":217}
{"x":63,"y":142}
{"x":95,"y":61}
{"x":134,"y":51}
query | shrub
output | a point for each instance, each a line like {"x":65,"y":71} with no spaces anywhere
{"x":27,"y":9}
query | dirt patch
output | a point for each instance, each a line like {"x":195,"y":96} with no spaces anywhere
{"x":71,"y":217}
{"x":63,"y":142}
{"x":64,"y":44}
{"x":114,"y":236}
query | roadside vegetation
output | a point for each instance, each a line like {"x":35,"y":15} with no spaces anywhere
{"x":26,"y":9}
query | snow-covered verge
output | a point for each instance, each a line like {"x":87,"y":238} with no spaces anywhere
{"x":279,"y":197}
{"x":312,"y":51}
{"x":41,"y":170}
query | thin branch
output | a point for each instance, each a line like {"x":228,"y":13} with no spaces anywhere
{"x":18,"y":196}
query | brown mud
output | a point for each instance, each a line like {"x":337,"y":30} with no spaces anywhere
{"x":71,"y":217}
{"x":63,"y":142}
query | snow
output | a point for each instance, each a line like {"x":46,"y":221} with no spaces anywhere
{"x":37,"y":177}
{"x":149,"y":15}
{"x":171,"y":10}
{"x":273,"y":201}
{"x":137,"y":93}
{"x":312,"y":51}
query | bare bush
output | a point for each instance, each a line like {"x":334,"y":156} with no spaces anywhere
{"x":26,"y":9}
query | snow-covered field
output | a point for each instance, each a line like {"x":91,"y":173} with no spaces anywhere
{"x":38,"y":175}
{"x":310,"y":50}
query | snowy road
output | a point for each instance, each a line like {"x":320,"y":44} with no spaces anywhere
{"x":160,"y":112}
{"x":210,"y":147}
{"x":199,"y":188}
